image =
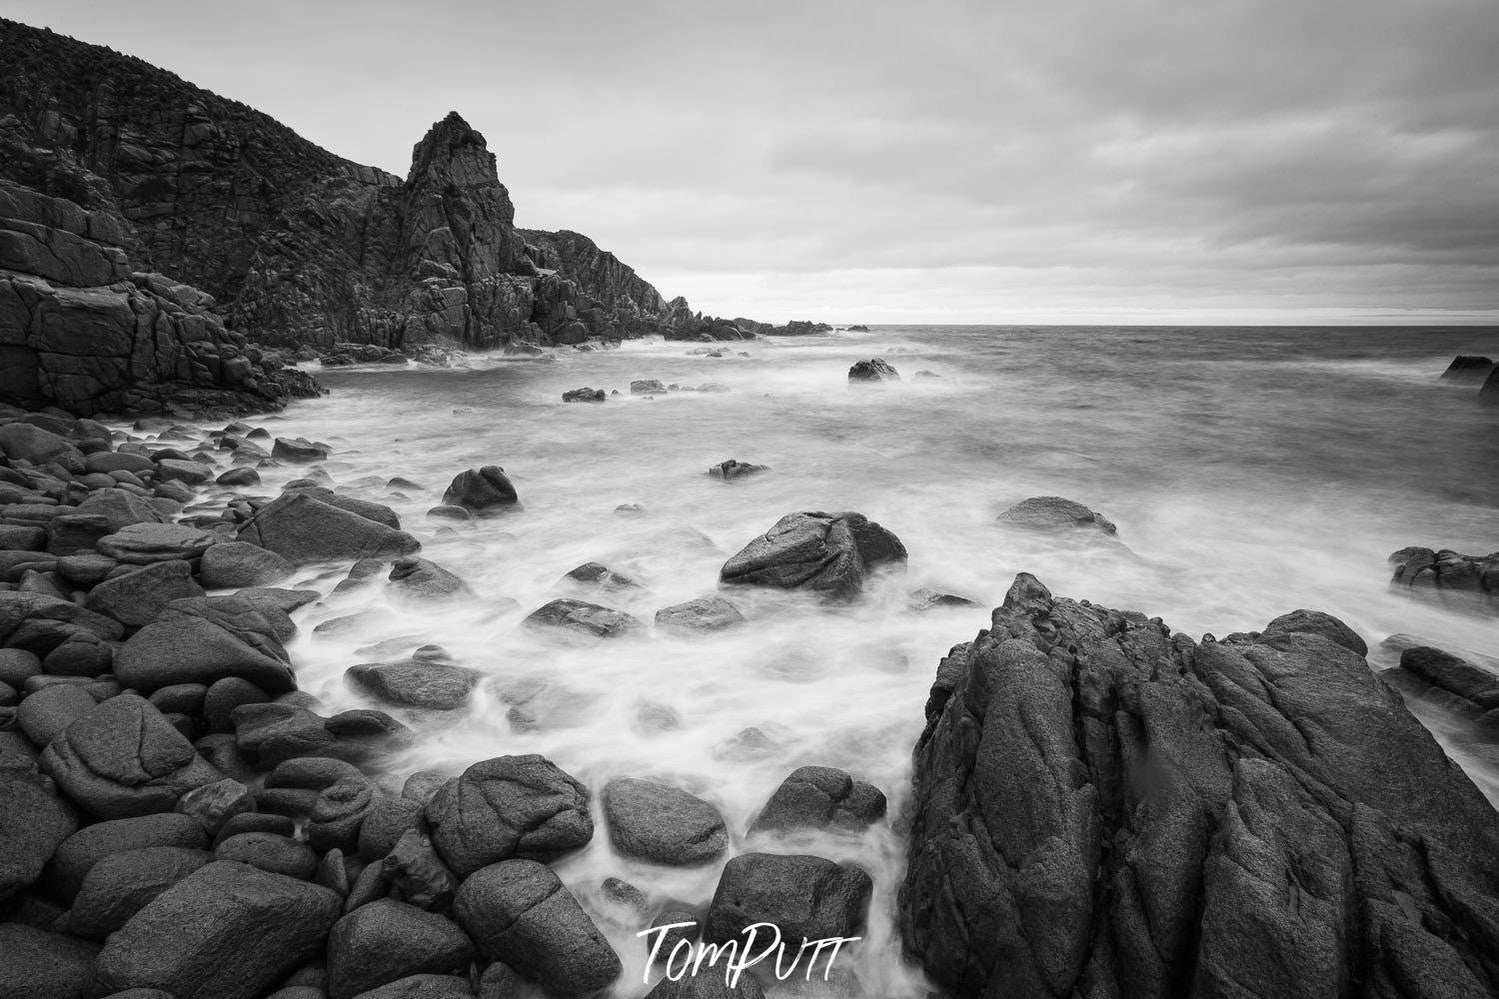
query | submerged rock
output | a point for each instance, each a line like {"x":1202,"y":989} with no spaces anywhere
{"x":422,"y":579}
{"x":829,"y":553}
{"x":599,"y":574}
{"x":1100,"y":806}
{"x":925,"y":598}
{"x":735,"y":469}
{"x":585,"y":618}
{"x":584,"y":394}
{"x":1055,"y":513}
{"x":416,"y":683}
{"x":703,"y":614}
{"x":873,"y":370}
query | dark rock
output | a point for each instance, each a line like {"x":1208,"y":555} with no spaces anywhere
{"x":808,"y":898}
{"x":272,"y":852}
{"x":42,"y":965}
{"x":121,"y":884}
{"x":385,"y":822}
{"x":136,"y":598}
{"x":821,"y":798}
{"x":142,"y":544}
{"x":1101,"y":806}
{"x":416,"y":683}
{"x":206,"y":640}
{"x":416,"y":874}
{"x":226,"y":694}
{"x":1054,"y":513}
{"x":1488,"y":393}
{"x":599,"y":574}
{"x":828,"y":553}
{"x":1468,"y":370}
{"x":385,"y":941}
{"x":662,"y":824}
{"x":119,"y":509}
{"x":304,"y":530}
{"x":422,"y":987}
{"x":735,"y":469}
{"x":298,"y":449}
{"x":233,"y":564}
{"x":255,"y":822}
{"x":44,"y":715}
{"x":34,"y":822}
{"x":378,"y":512}
{"x":520,"y":913}
{"x":242,"y":476}
{"x":338,"y":813}
{"x":647,"y":386}
{"x":1465,"y":580}
{"x":215,"y":804}
{"x":226,"y":931}
{"x":1454,"y":675}
{"x":873,"y":370}
{"x":711,"y":984}
{"x":486,"y":491}
{"x":509,"y":806}
{"x":454,"y":513}
{"x":124,"y":758}
{"x":78,"y":854}
{"x":703,"y":614}
{"x":584,"y":394}
{"x":1310,"y":622}
{"x":420,"y":579}
{"x":24,"y":442}
{"x":585,"y":618}
{"x":629,"y":510}
{"x":925,"y":598}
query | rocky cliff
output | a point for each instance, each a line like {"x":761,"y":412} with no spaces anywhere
{"x":298,"y":245}
{"x":1104,"y":809}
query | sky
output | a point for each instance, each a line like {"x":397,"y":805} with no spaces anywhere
{"x":986,"y":161}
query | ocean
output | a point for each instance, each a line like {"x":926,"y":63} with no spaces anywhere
{"x":1250,"y":472}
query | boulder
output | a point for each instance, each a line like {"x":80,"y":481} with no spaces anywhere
{"x":385,"y":822}
{"x":46,"y":713}
{"x":415,"y":683}
{"x":647,"y":386}
{"x":928,"y":598}
{"x":1473,"y":685}
{"x":1310,"y":622}
{"x":1467,"y":369}
{"x":508,"y":806}
{"x":124,"y":758}
{"x":662,"y":824}
{"x":34,"y":822}
{"x":821,"y":798}
{"x":520,"y":913}
{"x":1055,"y":513}
{"x":230,"y":565}
{"x":142,"y":544}
{"x":208,"y":639}
{"x":276,"y":853}
{"x":414,"y":987}
{"x":831,"y":554}
{"x":582,"y":617}
{"x":703,"y":614}
{"x":226,"y":931}
{"x":875,"y":369}
{"x":584,"y":394}
{"x":80,"y":852}
{"x":1466,"y":580}
{"x":242,"y":476}
{"x":416,"y":874}
{"x":733,"y":469}
{"x":119,"y":509}
{"x":1100,"y":806}
{"x":304,"y":530}
{"x":298,"y":449}
{"x":24,"y":442}
{"x":420,"y":579}
{"x":215,"y":804}
{"x":135,"y":598}
{"x":42,"y":965}
{"x":808,"y":898}
{"x":599,"y":574}
{"x":385,"y":941}
{"x":485,"y":491}
{"x":122,"y":884}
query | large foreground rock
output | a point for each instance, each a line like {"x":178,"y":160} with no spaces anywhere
{"x":35,"y":964}
{"x":484,"y":492}
{"x":521,"y":913}
{"x":303,"y":530}
{"x":828,"y":553}
{"x":509,"y":806}
{"x":34,"y":821}
{"x":385,"y":941}
{"x":227,"y":931}
{"x":1467,"y":369}
{"x":1103,"y":808}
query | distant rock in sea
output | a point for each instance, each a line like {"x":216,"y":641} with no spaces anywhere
{"x":1467,"y":369}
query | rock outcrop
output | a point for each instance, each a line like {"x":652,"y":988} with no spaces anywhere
{"x":828,"y":553}
{"x":1467,"y":580}
{"x":300,"y":246}
{"x":1103,"y":808}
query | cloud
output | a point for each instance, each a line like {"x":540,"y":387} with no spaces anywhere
{"x":1135,"y":160}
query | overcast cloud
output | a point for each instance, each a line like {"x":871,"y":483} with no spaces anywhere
{"x":1113,"y":161}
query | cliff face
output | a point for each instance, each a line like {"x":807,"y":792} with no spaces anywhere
{"x":298,"y":245}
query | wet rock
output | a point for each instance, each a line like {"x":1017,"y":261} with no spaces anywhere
{"x":1426,"y":672}
{"x":142,"y":544}
{"x":1212,"y":805}
{"x":298,"y":449}
{"x":136,"y":598}
{"x":188,"y":472}
{"x":485,"y":491}
{"x":647,"y":386}
{"x":629,"y":510}
{"x":453,"y":513}
{"x":828,"y":553}
{"x":520,"y":913}
{"x":226,"y":694}
{"x":420,"y":579}
{"x":124,"y":758}
{"x":416,"y":683}
{"x":808,"y":898}
{"x":255,"y":822}
{"x":80,"y":852}
{"x":926,"y":598}
{"x":119,"y":509}
{"x":34,"y":822}
{"x":873,"y":370}
{"x":733,"y":469}
{"x":1055,"y":513}
{"x":271,"y":852}
{"x":205,"y":640}
{"x":233,"y":564}
{"x":584,"y":394}
{"x":1465,"y":580}
{"x":42,"y":965}
{"x":509,"y":806}
{"x":385,"y":941}
{"x":584,"y":618}
{"x":821,"y":798}
{"x":1468,"y":370}
{"x":304,"y":530}
{"x":24,"y":442}
{"x":703,"y":614}
{"x":226,"y":931}
{"x":121,"y":884}
{"x":708,"y":985}
{"x":599,"y":574}
{"x":378,"y":512}
{"x":662,"y":824}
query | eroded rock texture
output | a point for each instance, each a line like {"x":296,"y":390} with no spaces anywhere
{"x":1102,"y":808}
